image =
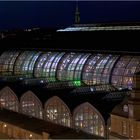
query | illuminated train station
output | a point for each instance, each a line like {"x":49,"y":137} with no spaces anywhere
{"x":67,"y":88}
{"x":75,"y":82}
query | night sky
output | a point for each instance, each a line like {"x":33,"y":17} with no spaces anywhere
{"x":61,"y":14}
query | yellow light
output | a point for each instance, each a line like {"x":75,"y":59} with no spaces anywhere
{"x":30,"y":135}
{"x":5,"y":125}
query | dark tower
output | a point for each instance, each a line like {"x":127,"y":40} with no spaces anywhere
{"x":77,"y":14}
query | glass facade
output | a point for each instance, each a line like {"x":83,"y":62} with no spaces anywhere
{"x":93,"y":28}
{"x":124,"y":70}
{"x":63,"y":66}
{"x":57,"y":111}
{"x":75,"y":67}
{"x":88,"y":119}
{"x":46,"y":65}
{"x":90,"y":72}
{"x":25,"y":63}
{"x":90,"y":69}
{"x":70,"y":67}
{"x":98,"y":68}
{"x":8,"y":99}
{"x":84,"y":117}
{"x":7,"y":60}
{"x":31,"y":105}
{"x":38,"y":69}
{"x":87,"y":74}
{"x":50,"y":67}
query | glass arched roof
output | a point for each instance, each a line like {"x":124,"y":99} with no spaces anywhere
{"x":92,"y":27}
{"x":71,"y":66}
{"x":38,"y":69}
{"x":90,"y":69}
{"x":7,"y":60}
{"x":63,"y":66}
{"x":46,"y":65}
{"x":98,"y":68}
{"x":25,"y":63}
{"x":122,"y":75}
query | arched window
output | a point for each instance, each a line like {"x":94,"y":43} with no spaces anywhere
{"x":125,"y":108}
{"x":57,"y":111}
{"x":31,"y":105}
{"x":8,"y":99}
{"x":88,"y":119}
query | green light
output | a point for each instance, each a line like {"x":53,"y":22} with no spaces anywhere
{"x":52,"y":79}
{"x":77,"y":83}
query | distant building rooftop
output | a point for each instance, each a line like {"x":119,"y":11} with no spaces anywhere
{"x":101,"y":27}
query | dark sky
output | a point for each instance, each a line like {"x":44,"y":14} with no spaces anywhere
{"x":61,"y":14}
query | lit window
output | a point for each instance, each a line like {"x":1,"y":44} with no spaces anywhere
{"x":4,"y":125}
{"x":25,"y":63}
{"x":125,"y":108}
{"x":7,"y":60}
{"x":88,"y":119}
{"x":98,"y":68}
{"x":31,"y":105}
{"x":124,"y":70}
{"x":124,"y":128}
{"x":57,"y":111}
{"x":30,"y":136}
{"x":8,"y":99}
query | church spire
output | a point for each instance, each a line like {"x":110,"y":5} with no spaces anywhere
{"x":77,"y":14}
